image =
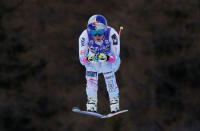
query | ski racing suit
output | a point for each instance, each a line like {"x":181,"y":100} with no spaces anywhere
{"x":111,"y":47}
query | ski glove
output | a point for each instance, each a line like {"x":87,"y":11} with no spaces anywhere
{"x":102,"y":57}
{"x":87,"y":60}
{"x":91,"y":58}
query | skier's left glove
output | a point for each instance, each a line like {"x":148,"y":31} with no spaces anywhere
{"x":102,"y":57}
{"x":105,"y":58}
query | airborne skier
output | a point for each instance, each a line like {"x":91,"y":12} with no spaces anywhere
{"x":99,"y":50}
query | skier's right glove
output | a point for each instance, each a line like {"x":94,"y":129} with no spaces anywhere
{"x":91,"y":58}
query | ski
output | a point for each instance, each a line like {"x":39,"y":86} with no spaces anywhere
{"x":114,"y":114}
{"x":77,"y":110}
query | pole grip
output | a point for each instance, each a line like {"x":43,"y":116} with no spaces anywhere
{"x":121,"y":28}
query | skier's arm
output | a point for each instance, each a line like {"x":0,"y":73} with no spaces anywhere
{"x":83,"y":48}
{"x":115,"y":45}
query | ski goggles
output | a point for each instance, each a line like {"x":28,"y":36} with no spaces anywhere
{"x":97,"y":33}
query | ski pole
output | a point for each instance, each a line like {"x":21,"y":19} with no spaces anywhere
{"x":121,"y":28}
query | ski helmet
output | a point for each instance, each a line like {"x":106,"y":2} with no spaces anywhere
{"x":97,"y":22}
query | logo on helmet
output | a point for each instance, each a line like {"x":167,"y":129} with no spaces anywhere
{"x":95,"y":23}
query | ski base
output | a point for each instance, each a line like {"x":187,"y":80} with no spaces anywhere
{"x":77,"y":110}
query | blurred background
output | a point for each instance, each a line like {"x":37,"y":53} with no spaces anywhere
{"x":41,"y":78}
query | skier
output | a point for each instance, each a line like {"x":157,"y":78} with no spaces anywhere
{"x":99,"y":50}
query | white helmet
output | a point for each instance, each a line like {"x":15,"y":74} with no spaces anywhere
{"x":97,"y":22}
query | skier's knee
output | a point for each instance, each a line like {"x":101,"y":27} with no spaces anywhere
{"x":92,"y":79}
{"x":108,"y":75}
{"x":91,"y":74}
{"x":111,"y":84}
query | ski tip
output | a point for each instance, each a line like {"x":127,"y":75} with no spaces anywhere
{"x":124,"y":111}
{"x":121,"y":27}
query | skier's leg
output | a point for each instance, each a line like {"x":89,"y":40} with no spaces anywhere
{"x":112,"y":88}
{"x":91,"y":89}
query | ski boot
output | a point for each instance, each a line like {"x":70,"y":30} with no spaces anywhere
{"x":92,"y":104}
{"x":114,"y":105}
